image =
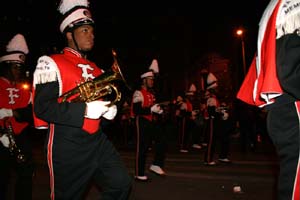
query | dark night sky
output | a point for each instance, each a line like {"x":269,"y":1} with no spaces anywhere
{"x":206,"y":26}
{"x":176,"y":32}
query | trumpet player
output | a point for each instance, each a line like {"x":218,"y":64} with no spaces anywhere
{"x":15,"y":122}
{"x":77,"y":149}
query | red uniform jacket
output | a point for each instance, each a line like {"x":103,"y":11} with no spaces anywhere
{"x":261,"y":84}
{"x":69,"y":70}
{"x":148,"y":101}
{"x":14,"y":96}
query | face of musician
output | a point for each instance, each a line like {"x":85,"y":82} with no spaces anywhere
{"x":148,"y":82}
{"x":81,"y":38}
{"x":12,"y":71}
{"x":16,"y":71}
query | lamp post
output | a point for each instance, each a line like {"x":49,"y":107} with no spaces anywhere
{"x":240,"y":33}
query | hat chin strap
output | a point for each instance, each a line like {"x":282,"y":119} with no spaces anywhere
{"x":82,"y":52}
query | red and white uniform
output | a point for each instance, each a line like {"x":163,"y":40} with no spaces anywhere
{"x":273,"y":82}
{"x":77,"y":149}
{"x":14,"y":96}
{"x":16,"y":101}
{"x":65,"y":69}
{"x":146,"y":99}
{"x":147,"y":130}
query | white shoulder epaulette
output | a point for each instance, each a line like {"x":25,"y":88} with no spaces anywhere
{"x":137,"y":97}
{"x":46,"y":71}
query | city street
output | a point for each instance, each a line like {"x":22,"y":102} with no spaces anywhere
{"x":187,"y":177}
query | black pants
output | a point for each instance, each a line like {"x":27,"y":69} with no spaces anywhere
{"x":77,"y":165}
{"x":185,"y":127}
{"x":22,"y":171}
{"x":149,"y":133}
{"x":283,"y":127}
{"x":211,"y":139}
{"x":224,"y":130}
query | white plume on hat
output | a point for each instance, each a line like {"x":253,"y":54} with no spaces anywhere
{"x":153,"y":69}
{"x":193,"y":88}
{"x":66,"y":5}
{"x":154,"y":66}
{"x":211,"y":81}
{"x":16,"y":50}
{"x":80,"y":12}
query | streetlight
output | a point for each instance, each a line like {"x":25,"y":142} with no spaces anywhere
{"x":240,"y":33}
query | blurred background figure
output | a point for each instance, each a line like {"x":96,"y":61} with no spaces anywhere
{"x":225,"y":126}
{"x":196,"y":121}
{"x":247,"y":117}
{"x":15,"y":122}
{"x":183,"y":116}
{"x":212,"y":104}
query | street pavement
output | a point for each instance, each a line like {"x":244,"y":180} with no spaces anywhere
{"x":254,"y":172}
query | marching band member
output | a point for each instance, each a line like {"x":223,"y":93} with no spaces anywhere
{"x":77,"y":149}
{"x":184,"y":121}
{"x":212,"y":103}
{"x":144,"y":109}
{"x":272,"y":82}
{"x":15,"y":112}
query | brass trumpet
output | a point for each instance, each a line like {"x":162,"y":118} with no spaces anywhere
{"x":105,"y":85}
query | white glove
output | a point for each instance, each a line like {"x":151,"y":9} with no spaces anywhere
{"x":183,"y":106}
{"x":225,"y":115}
{"x":195,"y":112}
{"x":4,"y":112}
{"x":111,"y":113}
{"x":95,"y":109}
{"x":194,"y":115}
{"x":4,"y":140}
{"x":156,"y":109}
{"x":211,"y":101}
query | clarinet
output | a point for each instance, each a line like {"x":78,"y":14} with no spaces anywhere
{"x":13,"y":147}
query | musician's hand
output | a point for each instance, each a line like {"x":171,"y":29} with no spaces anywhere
{"x":5,"y":140}
{"x":156,"y":109}
{"x":225,"y":115}
{"x":4,"y":112}
{"x":195,"y":112}
{"x":183,"y":106}
{"x":95,"y":109}
{"x":111,"y":113}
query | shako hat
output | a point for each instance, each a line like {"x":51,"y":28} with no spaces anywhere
{"x":74,"y":13}
{"x":16,"y":50}
{"x":153,"y":69}
{"x":208,"y":80}
{"x":211,"y":81}
{"x":192,"y":90}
